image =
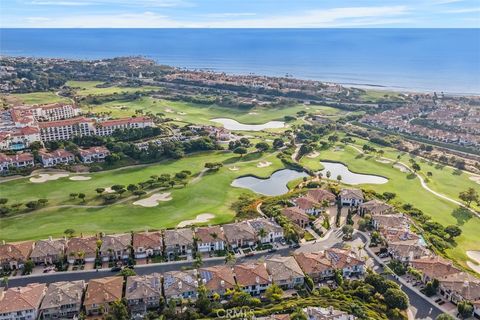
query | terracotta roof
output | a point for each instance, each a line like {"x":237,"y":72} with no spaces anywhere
{"x":391,"y":220}
{"x":148,"y":240}
{"x":63,"y":293}
{"x":351,"y":194}
{"x":45,"y":248}
{"x":15,"y":251}
{"x":320,"y":195}
{"x":143,"y":287}
{"x":408,"y":249}
{"x":313,"y":262}
{"x":87,"y":245}
{"x":306,"y":203}
{"x":239,"y":230}
{"x":66,"y":122}
{"x":268,"y":225}
{"x":341,"y":259}
{"x":59,"y":153}
{"x":19,"y":157}
{"x":204,"y":234}
{"x":103,"y":290}
{"x":178,"y":282}
{"x":217,"y":278}
{"x":116,"y":242}
{"x":283,"y":268}
{"x":22,"y":298}
{"x":93,"y":150}
{"x":250,"y":274}
{"x":178,"y":236}
{"x":122,"y":121}
{"x":376,"y":206}
{"x":434,"y":267}
{"x":294,"y":213}
{"x":464,"y":284}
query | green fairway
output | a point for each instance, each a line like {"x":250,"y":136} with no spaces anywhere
{"x":409,"y":190}
{"x":210,"y":194}
{"x":39,"y":98}
{"x":85,"y":88}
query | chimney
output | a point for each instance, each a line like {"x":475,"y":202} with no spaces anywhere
{"x":50,"y":238}
{"x":222,"y":283}
{"x":3,"y":242}
{"x":257,"y":279}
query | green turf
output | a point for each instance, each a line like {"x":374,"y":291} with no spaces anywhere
{"x":39,"y":98}
{"x":85,"y":88}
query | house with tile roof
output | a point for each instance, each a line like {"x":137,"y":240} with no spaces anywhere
{"x":22,"y":302}
{"x":101,"y":293}
{"x":252,"y":278}
{"x":63,"y":300}
{"x":178,"y":243}
{"x":285,"y":271}
{"x":82,"y":247}
{"x":351,"y":197}
{"x":93,"y":154}
{"x":115,"y":247}
{"x":143,"y":293}
{"x":14,"y":255}
{"x":375,"y":207}
{"x":48,"y":251}
{"x":267,"y":230}
{"x":210,"y":239}
{"x":297,"y":216}
{"x":180,"y":285}
{"x":316,"y":265}
{"x":147,"y":244}
{"x":239,"y":234}
{"x":345,"y":260}
{"x":407,"y":250}
{"x":217,"y":279}
{"x":386,"y":221}
{"x":56,"y":157}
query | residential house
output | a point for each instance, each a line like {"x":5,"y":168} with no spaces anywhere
{"x":63,"y":300}
{"x":319,"y":313}
{"x":179,"y":285}
{"x":147,"y":244}
{"x":374,"y":207}
{"x":351,"y":197}
{"x":297,"y":216}
{"x":115,"y":247}
{"x":22,"y":302}
{"x":210,"y":239}
{"x":252,"y":278}
{"x":93,"y":154}
{"x":316,"y":265}
{"x":82,"y":248}
{"x":178,"y":242}
{"x":217,"y":279}
{"x":321,"y":195}
{"x":48,"y":251}
{"x":285,"y":272}
{"x":240,"y":234}
{"x":267,"y":230}
{"x":461,"y":286}
{"x":18,"y":161}
{"x":345,"y":260}
{"x":101,"y":293}
{"x":407,"y":250}
{"x":315,"y":201}
{"x":14,"y":255}
{"x":143,"y":293}
{"x":387,"y":221}
{"x":433,"y":267}
{"x":308,"y":205}
{"x":53,"y":158}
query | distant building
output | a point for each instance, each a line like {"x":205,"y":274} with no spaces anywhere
{"x":22,"y":302}
{"x":18,"y":161}
{"x":93,"y":154}
{"x":351,"y":197}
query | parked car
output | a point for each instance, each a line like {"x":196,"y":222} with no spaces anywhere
{"x":116,"y":269}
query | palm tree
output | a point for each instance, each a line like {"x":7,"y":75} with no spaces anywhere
{"x":230,"y":258}
{"x":262,"y":233}
{"x":328,"y":174}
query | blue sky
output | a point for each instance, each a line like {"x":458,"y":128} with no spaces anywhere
{"x":239,"y":13}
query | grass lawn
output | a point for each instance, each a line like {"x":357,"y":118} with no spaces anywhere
{"x":211,"y":194}
{"x":39,"y":97}
{"x":409,"y":190}
{"x":86,"y":88}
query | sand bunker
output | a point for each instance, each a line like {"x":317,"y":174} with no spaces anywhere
{"x":234,"y":168}
{"x":474,"y":255}
{"x":109,"y":190}
{"x":153,"y":200}
{"x":169,"y":110}
{"x":383,"y":160}
{"x":313,"y":155}
{"x":338,"y":149}
{"x":201,"y":218}
{"x":475,"y":179}
{"x":80,"y":178}
{"x":401,"y":167}
{"x":44,"y":177}
{"x":182,"y":113}
{"x":263,"y":164}
{"x":252,"y":113}
{"x":473,"y":266}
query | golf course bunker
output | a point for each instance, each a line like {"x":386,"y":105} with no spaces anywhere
{"x":349,"y":177}
{"x":401,"y":167}
{"x":44,"y":177}
{"x":201,"y":218}
{"x":474,"y":255}
{"x":313,"y":155}
{"x":234,"y":168}
{"x":383,"y":160}
{"x":263,"y":164}
{"x":80,"y":178}
{"x":274,"y":186}
{"x":153,"y":200}
{"x":475,"y":179}
{"x":234,"y":125}
{"x":109,"y":190}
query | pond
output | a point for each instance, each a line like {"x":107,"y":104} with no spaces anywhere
{"x":231,"y":124}
{"x":349,"y":177}
{"x":274,"y":186}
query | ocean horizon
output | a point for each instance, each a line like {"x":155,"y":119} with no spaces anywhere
{"x":442,"y":60}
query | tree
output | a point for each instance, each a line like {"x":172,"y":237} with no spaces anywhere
{"x":100,"y":190}
{"x":347,"y":231}
{"x":278,"y":143}
{"x":73,"y":195}
{"x":465,"y":309}
{"x":339,"y":178}
{"x":69,"y":232}
{"x":132,"y":187}
{"x":32,"y":205}
{"x":453,"y":231}
{"x":274,"y":293}
{"x":139,"y":193}
{"x":241,"y":151}
{"x":127,"y":272}
{"x":298,"y":314}
{"x":389,"y":195}
{"x":329,"y":174}
{"x":3,"y":200}
{"x":262,"y":146}
{"x":203,"y":303}
{"x":118,"y":311}
{"x":81,"y":196}
{"x":396,"y":298}
{"x":28,"y":266}
{"x":339,"y":277}
{"x":416,"y":167}
{"x":230,"y":258}
{"x":469,"y":196}
{"x":444,"y":316}
{"x":198,"y":261}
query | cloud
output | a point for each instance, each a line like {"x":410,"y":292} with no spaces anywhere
{"x":61,"y":3}
{"x":465,"y":10}
{"x":130,"y":3}
{"x":229,"y":14}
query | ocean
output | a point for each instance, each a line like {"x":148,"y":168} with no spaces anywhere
{"x":445,"y":60}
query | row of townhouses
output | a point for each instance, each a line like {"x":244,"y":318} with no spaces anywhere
{"x":24,"y":125}
{"x":172,"y":244}
{"x":65,"y":300}
{"x":410,"y":249}
{"x":52,"y":158}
